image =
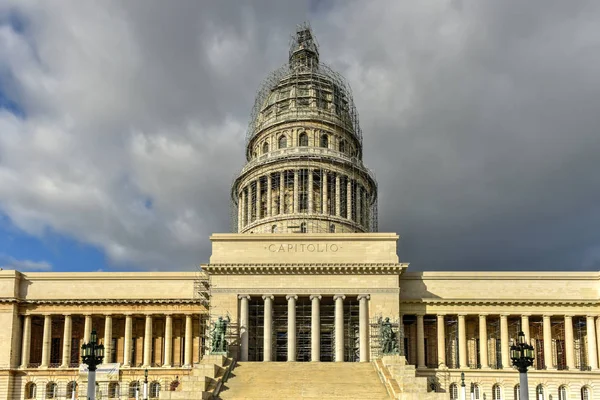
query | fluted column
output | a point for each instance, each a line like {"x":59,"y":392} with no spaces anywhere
{"x":249,"y":204}
{"x":268,"y":329}
{"x":547,"y":328}
{"x":168,"y":340}
{"x":483,"y":345}
{"x":269,"y":195}
{"x":148,"y":342}
{"x":108,"y":334}
{"x":324,"y":191}
{"x":281,"y":193}
{"x":420,"y":342}
{"x":315,"y":325}
{"x":87,"y":328}
{"x":127,"y":341}
{"x":311,"y":208}
{"x":591,"y":342}
{"x":349,"y":198}
{"x":66,"y":349}
{"x":339,"y":327}
{"x":244,"y":320}
{"x":337,"y":195}
{"x":363,"y":326}
{"x":525,"y":326}
{"x":462,"y":341}
{"x":291,"y":333}
{"x":258,"y":199}
{"x":441,"y":340}
{"x":26,"y":342}
{"x":188,"y":341}
{"x":504,"y":341}
{"x":296,"y":192}
{"x":47,"y":337}
{"x":569,"y":343}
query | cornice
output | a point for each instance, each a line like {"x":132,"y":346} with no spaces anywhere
{"x":109,"y":301}
{"x":305,"y":268}
{"x":503,"y":302}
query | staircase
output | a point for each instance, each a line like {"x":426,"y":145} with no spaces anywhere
{"x":299,"y":380}
{"x":202,"y":380}
{"x":401,"y":381}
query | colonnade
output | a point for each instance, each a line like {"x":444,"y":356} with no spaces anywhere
{"x":70,"y":356}
{"x":315,"y":326}
{"x":545,"y":353}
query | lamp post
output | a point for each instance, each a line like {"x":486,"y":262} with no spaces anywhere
{"x":463,"y":389}
{"x":92,"y":355}
{"x":521,"y":355}
{"x":146,"y":384}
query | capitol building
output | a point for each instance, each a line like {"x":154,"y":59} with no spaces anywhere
{"x":306,"y":286}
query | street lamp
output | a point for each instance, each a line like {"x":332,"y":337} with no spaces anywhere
{"x":463,"y":389}
{"x":146,"y":384}
{"x":521,"y":355}
{"x":92,"y":355}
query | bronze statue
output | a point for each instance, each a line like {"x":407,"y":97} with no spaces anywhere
{"x":387,"y":337}
{"x":217,"y":335}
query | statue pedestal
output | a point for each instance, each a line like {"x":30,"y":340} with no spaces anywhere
{"x":215,"y":358}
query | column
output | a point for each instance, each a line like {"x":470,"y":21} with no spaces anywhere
{"x":504,"y":350}
{"x":127,"y":342}
{"x":269,"y":196}
{"x":598,"y":337}
{"x":258,"y":200}
{"x":401,"y":335}
{"x":315,"y":331}
{"x":188,"y":341}
{"x":249,"y":204}
{"x":240,"y":210}
{"x":483,"y":347}
{"x":420,"y":342}
{"x":148,"y":342}
{"x":569,"y":343}
{"x":47,"y":337}
{"x":26,"y":342}
{"x":441,"y":340}
{"x":168,"y":340}
{"x":291,"y":344}
{"x":525,"y":326}
{"x":87,"y":328}
{"x":363,"y":326}
{"x":339,"y":327}
{"x":325,"y":209}
{"x":108,"y":339}
{"x":358,"y":203}
{"x":296,"y":192}
{"x":337,"y":195}
{"x":349,"y":198}
{"x":244,"y":320}
{"x":268,"y":328}
{"x":591,"y":342}
{"x":311,"y":208}
{"x":462,"y":342}
{"x":547,"y":328}
{"x":67,"y":333}
{"x":281,"y":193}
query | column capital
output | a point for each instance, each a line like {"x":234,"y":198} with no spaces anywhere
{"x":441,"y":314}
{"x":525,"y":315}
{"x":268,"y":296}
{"x":108,"y":315}
{"x":483,"y":315}
{"x":291,"y":296}
{"x":68,"y":314}
{"x":568,"y":316}
{"x":363,"y":296}
{"x":148,"y":315}
{"x":461,"y":315}
{"x":244,"y":296}
{"x":504,"y":315}
{"x":591,"y":315}
{"x":339,"y":296}
{"x":547,"y":316}
{"x":315,"y":296}
{"x":420,"y":314}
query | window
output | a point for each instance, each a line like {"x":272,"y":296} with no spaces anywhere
{"x":71,"y":387}
{"x":303,"y":139}
{"x":51,"y":389}
{"x":585,"y":393}
{"x":282,"y":142}
{"x":30,"y":390}
{"x":453,"y":391}
{"x":496,"y":392}
{"x":517,"y":392}
{"x":303,"y":227}
{"x":113,"y":390}
{"x":265,"y":148}
{"x":342,"y":146}
{"x":154,"y":390}
{"x":332,"y":228}
{"x":539,"y":391}
{"x":475,"y":391}
{"x":134,"y":387}
{"x":324,"y":141}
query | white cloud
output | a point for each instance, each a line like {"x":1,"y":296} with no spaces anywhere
{"x":24,"y":265}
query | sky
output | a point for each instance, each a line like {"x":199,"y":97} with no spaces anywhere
{"x":122,"y":126}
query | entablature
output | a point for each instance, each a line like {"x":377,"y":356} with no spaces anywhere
{"x":306,"y":269}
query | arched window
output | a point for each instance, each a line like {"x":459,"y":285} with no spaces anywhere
{"x":453,"y":391}
{"x":585,"y":393}
{"x":265,"y":148}
{"x":496,"y":392}
{"x":342,"y":146}
{"x":324,"y":141}
{"x":134,"y":386}
{"x":282,"y":142}
{"x":303,"y":139}
{"x":332,"y":228}
{"x":113,"y":390}
{"x":51,"y":389}
{"x":154,"y":390}
{"x":303,"y":227}
{"x":539,"y":391}
{"x":71,"y":387}
{"x":30,"y":390}
{"x":475,"y":391}
{"x":517,"y":392}
{"x":562,"y":393}
{"x":173,"y":385}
